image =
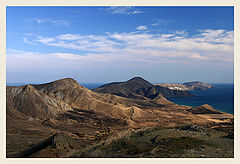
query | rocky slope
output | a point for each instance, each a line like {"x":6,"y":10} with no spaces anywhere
{"x":61,"y":96}
{"x":188,"y":141}
{"x":64,"y":119}
{"x":138,"y":88}
{"x":32,"y":102}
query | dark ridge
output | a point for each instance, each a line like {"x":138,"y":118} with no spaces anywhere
{"x":109,"y":83}
{"x":139,"y":88}
{"x":41,"y":145}
{"x":138,"y":79}
{"x":133,"y":80}
{"x":192,"y":82}
{"x":60,"y":142}
{"x":64,"y":80}
{"x":62,"y":83}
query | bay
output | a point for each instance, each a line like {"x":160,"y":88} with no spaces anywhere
{"x":221,"y":97}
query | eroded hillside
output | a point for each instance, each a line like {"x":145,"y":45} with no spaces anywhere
{"x":36,"y":113}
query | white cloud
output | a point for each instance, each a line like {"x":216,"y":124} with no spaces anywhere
{"x":69,"y":37}
{"x":59,"y":22}
{"x":40,"y":21}
{"x":45,"y":40}
{"x":197,"y":56}
{"x":207,"y":45}
{"x":136,"y":12}
{"x":154,"y":24}
{"x":218,"y":36}
{"x":26,"y":40}
{"x":126,"y":10}
{"x":141,"y":28}
{"x":19,"y":55}
{"x":162,"y":22}
{"x":181,"y":32}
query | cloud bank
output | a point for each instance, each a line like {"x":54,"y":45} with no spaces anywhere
{"x":135,"y":52}
{"x":205,"y":45}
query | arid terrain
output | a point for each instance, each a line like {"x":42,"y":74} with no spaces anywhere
{"x":129,"y":119}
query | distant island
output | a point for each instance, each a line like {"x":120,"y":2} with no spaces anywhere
{"x":195,"y":85}
{"x":117,"y":120}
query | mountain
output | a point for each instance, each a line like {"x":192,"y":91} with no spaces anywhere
{"x":64,"y":95}
{"x":138,"y":88}
{"x":65,"y":119}
{"x":57,"y":97}
{"x":32,"y":102}
{"x":130,"y":89}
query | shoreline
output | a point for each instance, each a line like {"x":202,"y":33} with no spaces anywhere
{"x":187,"y":100}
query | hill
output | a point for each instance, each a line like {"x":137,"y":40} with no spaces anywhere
{"x":82,"y":119}
{"x":204,"y":109}
{"x":59,"y":97}
{"x":62,"y":98}
{"x":139,"y":88}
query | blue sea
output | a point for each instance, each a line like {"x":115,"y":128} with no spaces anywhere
{"x":221,"y":97}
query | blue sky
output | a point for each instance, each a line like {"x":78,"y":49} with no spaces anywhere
{"x":105,"y":44}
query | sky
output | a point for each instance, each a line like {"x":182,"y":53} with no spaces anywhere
{"x":106,"y":44}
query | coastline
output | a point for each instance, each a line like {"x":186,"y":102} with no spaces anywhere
{"x":221,"y":97}
{"x":200,"y":97}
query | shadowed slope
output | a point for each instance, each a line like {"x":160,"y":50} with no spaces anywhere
{"x":138,"y":88}
{"x":28,"y":100}
{"x":36,"y":112}
{"x":63,"y":95}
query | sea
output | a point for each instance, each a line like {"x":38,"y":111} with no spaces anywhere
{"x":221,"y":97}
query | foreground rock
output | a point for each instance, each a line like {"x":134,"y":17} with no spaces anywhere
{"x":58,"y":145}
{"x":162,"y":143}
{"x":189,"y":141}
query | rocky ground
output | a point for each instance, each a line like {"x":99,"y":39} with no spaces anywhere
{"x":63,"y":119}
{"x":188,"y":141}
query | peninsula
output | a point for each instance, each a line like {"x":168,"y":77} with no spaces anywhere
{"x":195,"y":85}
